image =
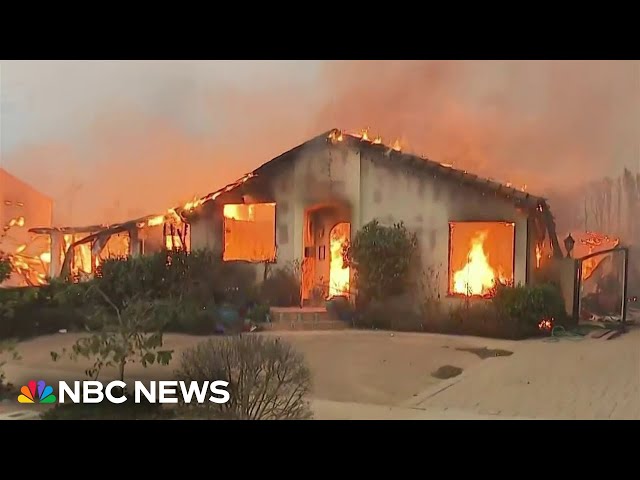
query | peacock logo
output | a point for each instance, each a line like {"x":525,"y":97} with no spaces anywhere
{"x":44,"y":393}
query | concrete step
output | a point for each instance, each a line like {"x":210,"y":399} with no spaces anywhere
{"x":306,"y":318}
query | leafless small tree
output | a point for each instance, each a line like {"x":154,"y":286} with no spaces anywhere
{"x":268,"y":379}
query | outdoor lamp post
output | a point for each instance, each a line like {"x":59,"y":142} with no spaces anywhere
{"x":569,"y":242}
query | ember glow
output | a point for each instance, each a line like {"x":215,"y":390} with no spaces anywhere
{"x":546,"y":325}
{"x":338,"y":273}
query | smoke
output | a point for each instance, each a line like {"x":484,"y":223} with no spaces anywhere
{"x":111,"y":141}
{"x":544,"y":124}
{"x":114,"y":140}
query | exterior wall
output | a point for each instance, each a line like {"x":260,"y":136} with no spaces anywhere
{"x":207,"y":229}
{"x":426,"y":205}
{"x":321,"y":176}
{"x":18,"y":199}
{"x":318,"y":176}
{"x":371,"y":188}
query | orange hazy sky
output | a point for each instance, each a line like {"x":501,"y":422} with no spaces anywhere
{"x":110,"y":140}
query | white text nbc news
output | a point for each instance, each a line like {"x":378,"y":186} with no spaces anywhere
{"x":93,"y":391}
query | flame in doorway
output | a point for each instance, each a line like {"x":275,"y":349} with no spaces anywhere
{"x":338,"y":272}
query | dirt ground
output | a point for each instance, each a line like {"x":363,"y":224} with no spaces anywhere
{"x":379,"y":368}
{"x":380,"y":375}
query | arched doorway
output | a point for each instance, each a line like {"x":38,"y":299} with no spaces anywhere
{"x":338,"y":274}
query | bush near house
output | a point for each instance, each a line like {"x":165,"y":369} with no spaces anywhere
{"x":528,"y":305}
{"x":381,"y":257}
{"x":187,"y":289}
{"x":268,"y":379}
{"x":281,"y":287}
{"x":388,"y":298}
{"x":5,"y":268}
{"x":32,"y":311}
{"x":513,"y":313}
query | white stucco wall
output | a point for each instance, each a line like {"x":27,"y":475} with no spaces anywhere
{"x":318,"y":176}
{"x":426,"y":206}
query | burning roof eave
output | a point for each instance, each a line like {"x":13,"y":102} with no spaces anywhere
{"x":93,"y":229}
{"x":486,"y":184}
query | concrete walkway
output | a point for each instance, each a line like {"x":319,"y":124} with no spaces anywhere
{"x":587,"y":379}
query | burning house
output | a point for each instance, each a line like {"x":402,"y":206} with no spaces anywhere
{"x":304,"y":205}
{"x":22,"y":206}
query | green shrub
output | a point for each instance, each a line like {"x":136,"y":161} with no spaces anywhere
{"x":478,"y":318}
{"x":259,"y":313}
{"x":5,"y":268}
{"x":527,"y":305}
{"x":199,"y":276}
{"x":382,"y":259}
{"x":267,"y":378}
{"x":185,"y":287}
{"x":32,"y":311}
{"x":281,"y":288}
{"x":188,"y":316}
{"x":7,"y":352}
{"x":132,"y":333}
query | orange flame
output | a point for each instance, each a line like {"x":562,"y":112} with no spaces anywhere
{"x":240,"y":212}
{"x":336,"y":136}
{"x":21,"y":248}
{"x":538,"y":256}
{"x":396,"y":146}
{"x":377,"y":140}
{"x":192,"y":204}
{"x":18,"y":222}
{"x":476,"y":277}
{"x":155,"y":221}
{"x":338,"y":272}
{"x":45,"y":257}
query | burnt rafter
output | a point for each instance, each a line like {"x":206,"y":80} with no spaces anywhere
{"x":96,"y":239}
